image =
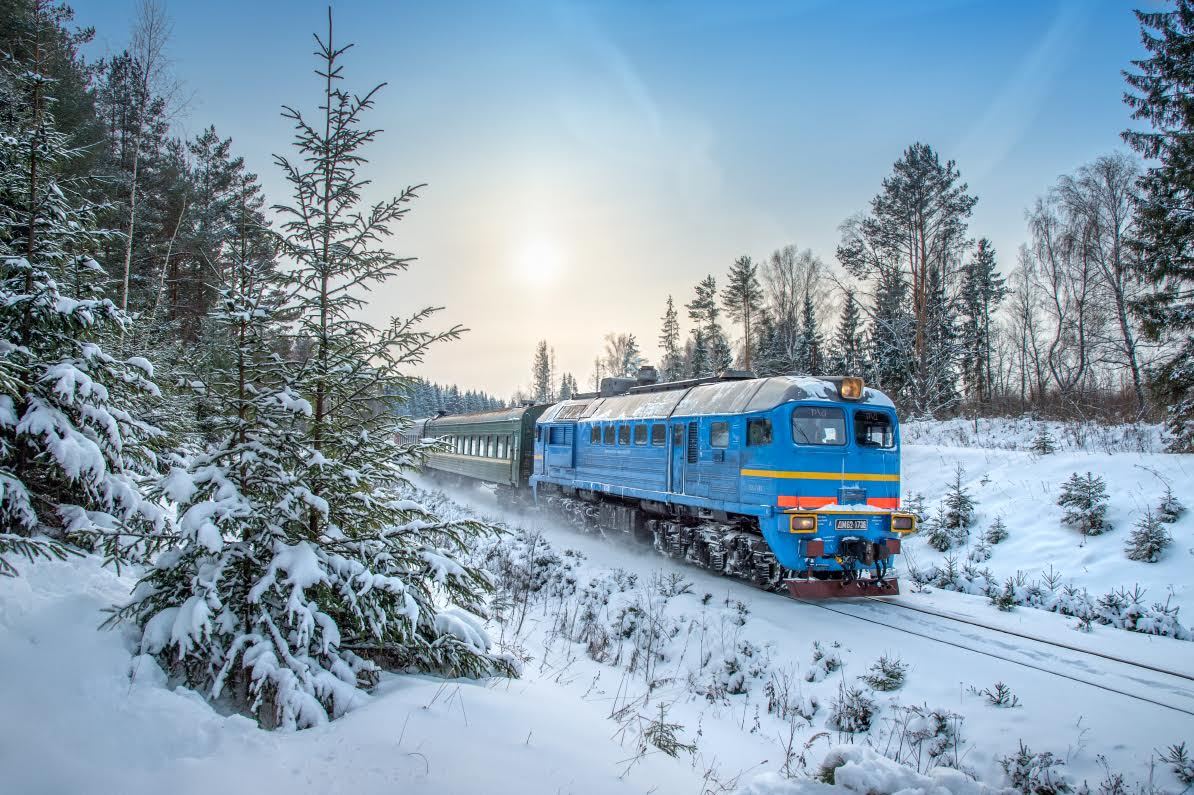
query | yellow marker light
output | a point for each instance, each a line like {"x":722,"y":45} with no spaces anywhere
{"x":903,"y":522}
{"x":803,"y":523}
{"x":850,"y":388}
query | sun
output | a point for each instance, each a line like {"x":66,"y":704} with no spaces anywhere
{"x":537,"y":263}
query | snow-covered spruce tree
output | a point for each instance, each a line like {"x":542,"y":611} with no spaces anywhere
{"x":1084,"y":498}
{"x":73,"y":449}
{"x":1043,"y":443}
{"x":1148,"y":539}
{"x":301,"y":572}
{"x":1159,"y":94}
{"x":958,"y":507}
{"x":1171,"y":508}
{"x":997,"y":532}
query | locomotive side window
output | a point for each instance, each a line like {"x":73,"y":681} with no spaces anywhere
{"x":677,"y":435}
{"x":623,"y":434}
{"x":873,"y":429}
{"x":640,"y":434}
{"x":607,"y":435}
{"x":758,"y":432}
{"x":719,"y":434}
{"x":817,"y":425}
{"x":658,"y":434}
{"x":595,"y":434}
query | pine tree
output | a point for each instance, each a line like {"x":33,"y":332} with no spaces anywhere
{"x":1043,"y":443}
{"x":983,"y":289}
{"x":907,"y":246}
{"x":337,"y":574}
{"x":743,"y":298}
{"x":891,"y":338}
{"x":1084,"y":499}
{"x":1164,"y":226}
{"x":1171,"y":508}
{"x":541,"y":374}
{"x":709,"y":351}
{"x":848,"y":351}
{"x":811,"y":347}
{"x":568,"y":387}
{"x":75,"y":450}
{"x":1148,"y":539}
{"x":997,"y":532}
{"x":671,"y":366}
{"x":958,"y":506}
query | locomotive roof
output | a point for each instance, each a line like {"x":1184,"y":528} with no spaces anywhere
{"x":495,"y":415}
{"x":721,"y":397}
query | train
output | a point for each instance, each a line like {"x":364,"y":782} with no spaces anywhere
{"x":790,"y":482}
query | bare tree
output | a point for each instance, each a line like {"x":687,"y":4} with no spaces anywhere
{"x":148,"y":48}
{"x":1099,"y":198}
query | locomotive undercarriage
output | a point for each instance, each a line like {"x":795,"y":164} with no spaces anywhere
{"x":720,"y":545}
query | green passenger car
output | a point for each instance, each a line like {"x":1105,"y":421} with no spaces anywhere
{"x":493,"y":446}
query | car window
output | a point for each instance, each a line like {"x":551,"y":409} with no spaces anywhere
{"x":874,"y":429}
{"x":758,"y":432}
{"x":719,"y":434}
{"x":818,"y":425}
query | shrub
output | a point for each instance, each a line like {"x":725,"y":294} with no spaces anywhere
{"x":1181,"y":763}
{"x":1037,"y":774}
{"x":1148,"y":540}
{"x":1005,"y":599}
{"x":852,"y":710}
{"x":1001,"y":696}
{"x":1043,"y":443}
{"x":1084,"y":498}
{"x":980,"y":552}
{"x":996,"y":532}
{"x":886,"y":674}
{"x":1170,"y":508}
{"x":958,"y":506}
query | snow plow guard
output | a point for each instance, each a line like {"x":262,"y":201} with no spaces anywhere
{"x":837,"y":589}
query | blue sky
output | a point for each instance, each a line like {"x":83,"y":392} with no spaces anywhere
{"x":584,"y":160}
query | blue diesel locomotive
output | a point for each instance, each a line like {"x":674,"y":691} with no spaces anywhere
{"x":785,"y":481}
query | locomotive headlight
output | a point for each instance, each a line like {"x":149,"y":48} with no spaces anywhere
{"x":903,"y":522}
{"x":803,"y":523}
{"x":850,"y":388}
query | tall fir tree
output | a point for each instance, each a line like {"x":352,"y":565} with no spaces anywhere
{"x":743,"y":298}
{"x":982,"y":290}
{"x":848,"y":342}
{"x":709,"y":350}
{"x":568,"y":387}
{"x":810,"y":345}
{"x":343,"y":575}
{"x":890,"y":339}
{"x":1161,"y":87}
{"x":915,"y":234}
{"x":75,"y":450}
{"x":541,"y":391}
{"x":671,"y":365}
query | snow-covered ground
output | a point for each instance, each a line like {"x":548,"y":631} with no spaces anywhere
{"x":1009,"y":481}
{"x":626,"y":655}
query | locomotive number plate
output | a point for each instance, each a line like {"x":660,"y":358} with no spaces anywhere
{"x":851,"y":524}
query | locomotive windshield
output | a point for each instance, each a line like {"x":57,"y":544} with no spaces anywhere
{"x":816,"y":425}
{"x":873,"y":429}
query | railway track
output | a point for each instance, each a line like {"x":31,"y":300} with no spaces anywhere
{"x":1122,"y":677}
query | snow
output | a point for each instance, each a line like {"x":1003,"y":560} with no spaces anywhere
{"x":748,"y":678}
{"x":1008,"y":481}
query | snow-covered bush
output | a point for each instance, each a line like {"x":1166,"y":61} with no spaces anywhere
{"x":75,"y":449}
{"x":997,"y":532}
{"x":1005,"y":599}
{"x":824,"y":662}
{"x":1180,"y":761}
{"x":852,"y":710}
{"x":1043,"y":443}
{"x":1001,"y":696}
{"x":922,"y":737}
{"x":1084,"y":498}
{"x":980,"y":552}
{"x":886,"y":674}
{"x":1036,"y":773}
{"x":1148,"y":539}
{"x":1170,"y":508}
